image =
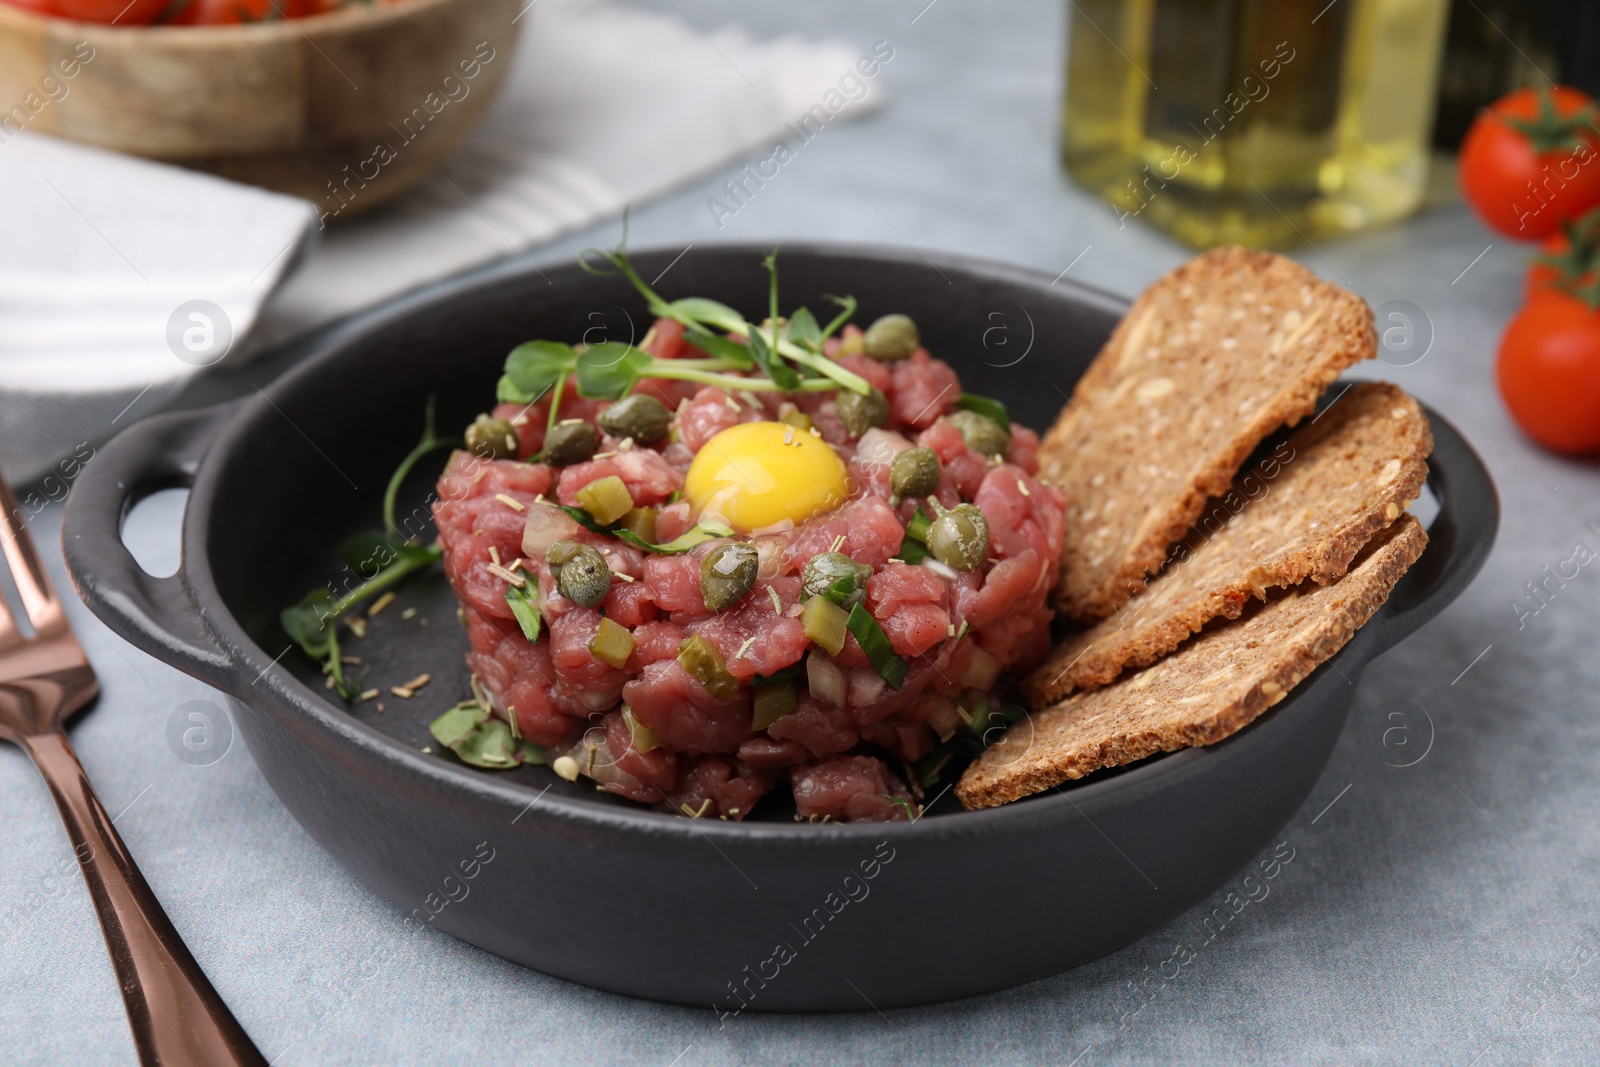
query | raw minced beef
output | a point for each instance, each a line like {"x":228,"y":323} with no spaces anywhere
{"x":837,"y":749}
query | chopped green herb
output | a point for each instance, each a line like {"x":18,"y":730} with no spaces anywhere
{"x":481,"y":741}
{"x":913,"y":547}
{"x":783,"y":677}
{"x":705,"y":531}
{"x":841,"y":591}
{"x":454,"y":726}
{"x":891,"y":667}
{"x":524,"y":604}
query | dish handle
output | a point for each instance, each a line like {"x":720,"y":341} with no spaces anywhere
{"x":1459,"y":538}
{"x":156,"y":614}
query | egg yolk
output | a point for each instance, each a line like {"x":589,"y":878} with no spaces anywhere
{"x":764,"y":475}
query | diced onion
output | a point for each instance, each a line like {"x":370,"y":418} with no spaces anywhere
{"x":878,"y":447}
{"x":769,"y":554}
{"x":981,"y":672}
{"x":825,"y":679}
{"x":946,"y":717}
{"x":545,"y":526}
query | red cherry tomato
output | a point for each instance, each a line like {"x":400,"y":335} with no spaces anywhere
{"x":38,"y":7}
{"x":1532,"y":160}
{"x":119,"y":12}
{"x":1549,"y":372}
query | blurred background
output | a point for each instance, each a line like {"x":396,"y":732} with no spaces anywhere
{"x":193,"y":190}
{"x":194,"y":183}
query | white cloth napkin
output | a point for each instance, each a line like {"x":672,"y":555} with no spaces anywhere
{"x":604,"y":106}
{"x":100,"y":254}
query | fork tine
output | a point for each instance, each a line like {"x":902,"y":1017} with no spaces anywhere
{"x":38,"y":596}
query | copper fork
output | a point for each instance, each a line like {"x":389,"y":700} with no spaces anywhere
{"x":177,"y":1017}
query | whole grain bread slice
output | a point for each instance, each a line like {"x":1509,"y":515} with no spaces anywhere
{"x":1302,"y":512}
{"x":1210,"y":688}
{"x":1208,"y":361}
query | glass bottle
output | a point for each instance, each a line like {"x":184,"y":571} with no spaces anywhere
{"x":1252,"y":121}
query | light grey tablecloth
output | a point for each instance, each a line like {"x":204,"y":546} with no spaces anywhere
{"x":1439,"y":913}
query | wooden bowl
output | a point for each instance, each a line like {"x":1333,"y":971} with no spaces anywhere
{"x":346,"y":109}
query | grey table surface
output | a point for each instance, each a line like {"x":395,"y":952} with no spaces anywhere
{"x":1437,"y":912}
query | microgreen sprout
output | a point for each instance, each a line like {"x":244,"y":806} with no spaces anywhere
{"x":313,"y":622}
{"x":739,"y":355}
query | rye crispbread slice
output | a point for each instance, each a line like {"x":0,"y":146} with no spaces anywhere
{"x":1208,"y":361}
{"x":1302,"y":512}
{"x":1210,"y":688}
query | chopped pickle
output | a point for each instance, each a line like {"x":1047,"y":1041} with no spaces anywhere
{"x":773,"y":702}
{"x":704,"y":664}
{"x":612,"y":644}
{"x":824,"y":623}
{"x":641,"y":522}
{"x":796,"y":418}
{"x":644,"y":738}
{"x":606,"y":499}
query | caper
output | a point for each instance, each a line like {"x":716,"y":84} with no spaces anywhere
{"x":914,"y":472}
{"x":570,"y":442}
{"x":639,"y":416}
{"x":981,"y":433}
{"x":861,"y":413}
{"x":892,"y":338}
{"x":959,"y":538}
{"x":825,"y":569}
{"x":492,"y":438}
{"x":581,"y":572}
{"x":727,"y":573}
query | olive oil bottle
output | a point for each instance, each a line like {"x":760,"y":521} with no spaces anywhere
{"x":1258,"y":122}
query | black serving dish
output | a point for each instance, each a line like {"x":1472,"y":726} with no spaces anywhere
{"x":768,"y":913}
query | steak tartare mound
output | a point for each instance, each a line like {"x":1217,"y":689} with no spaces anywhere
{"x":701,"y":579}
